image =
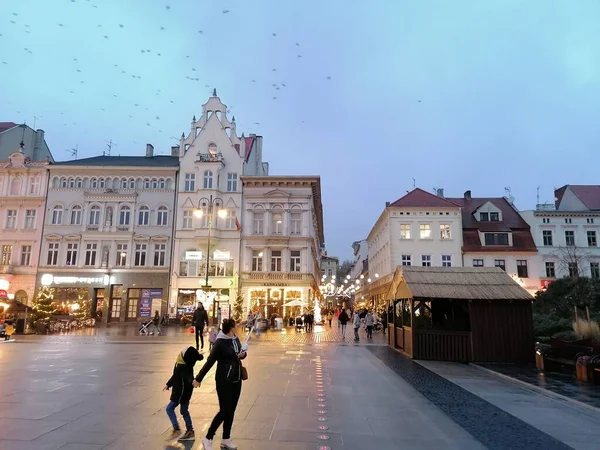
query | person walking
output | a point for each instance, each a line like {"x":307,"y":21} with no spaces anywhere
{"x":200,"y":319}
{"x":250,"y":321}
{"x":337,"y":316}
{"x":356,"y":321}
{"x":181,"y":383}
{"x":227,"y":353}
{"x":156,"y":323}
{"x":329,"y":318}
{"x":369,"y":322}
{"x":343,"y":320}
{"x":384,"y":322}
{"x":258,"y":322}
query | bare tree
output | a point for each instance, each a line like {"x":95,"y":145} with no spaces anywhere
{"x":572,"y":259}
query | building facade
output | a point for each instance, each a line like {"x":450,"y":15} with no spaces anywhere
{"x":108,"y":234}
{"x":329,"y":267}
{"x":419,"y":229}
{"x":23,"y":185}
{"x":31,"y":142}
{"x":566,"y":233}
{"x":282,"y":235}
{"x":206,"y":258}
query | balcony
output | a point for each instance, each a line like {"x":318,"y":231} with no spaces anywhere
{"x":277,"y":276}
{"x":210,"y":157}
{"x":6,"y":269}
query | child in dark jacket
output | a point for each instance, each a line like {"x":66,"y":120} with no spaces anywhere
{"x":181,"y":382}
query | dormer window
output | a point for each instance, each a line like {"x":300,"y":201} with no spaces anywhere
{"x":494,"y":217}
{"x":212,"y":148}
{"x":484,"y":217}
{"x":496,"y":238}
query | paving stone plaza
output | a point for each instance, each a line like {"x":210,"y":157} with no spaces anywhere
{"x":103,"y":390}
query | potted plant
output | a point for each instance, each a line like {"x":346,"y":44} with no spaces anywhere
{"x":581,"y":368}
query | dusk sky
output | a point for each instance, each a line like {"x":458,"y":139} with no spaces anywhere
{"x":459,"y":95}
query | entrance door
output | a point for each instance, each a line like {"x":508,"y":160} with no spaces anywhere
{"x":98,"y":303}
{"x":116,"y":299}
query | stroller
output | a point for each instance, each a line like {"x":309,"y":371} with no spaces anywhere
{"x":299,"y":323}
{"x":144,"y":327}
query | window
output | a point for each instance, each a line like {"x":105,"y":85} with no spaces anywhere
{"x":124,"y":183}
{"x":188,"y":269}
{"x":11,"y":219}
{"x":101,"y":183}
{"x":90,"y":254}
{"x":34,"y":187}
{"x":64,"y":182}
{"x":545,"y":220}
{"x":71,"y":259}
{"x":494,"y":217}
{"x":257,"y":260}
{"x":133,"y":297}
{"x":484,"y":217}
{"x":296,"y":223}
{"x":187,"y":220}
{"x":277,"y":221}
{"x":232,"y":179}
{"x":405,"y":231}
{"x":259,"y":223}
{"x":444,"y":231}
{"x":25,"y":255}
{"x":547,"y":237}
{"x":161,"y":216}
{"x":590,"y":221}
{"x":121,"y":255}
{"x":425,"y":231}
{"x":140,"y":255}
{"x":76,"y":215}
{"x":131,"y":183}
{"x":568,"y":221}
{"x":161,"y":183}
{"x":52,"y":254}
{"x":125,"y":215}
{"x":71,"y":183}
{"x":522,"y":271}
{"x":95,"y":215}
{"x":595,"y":270}
{"x":276,"y":261}
{"x":94,"y":183}
{"x":160,"y":254}
{"x":573,"y":269}
{"x":6,"y":255}
{"x":144,"y":216}
{"x":478,"y":263}
{"x":79,"y":183}
{"x":500,"y":263}
{"x":190,"y":182}
{"x":406,"y":260}
{"x":295,"y":261}
{"x":146,"y":183}
{"x":570,"y":238}
{"x":208,"y":179}
{"x":591,"y":236}
{"x":426,"y":260}
{"x":550,"y":270}
{"x":230,"y":220}
{"x":446,"y":260}
{"x":57,"y":214}
{"x":154,"y":183}
{"x":116,"y":299}
{"x":496,"y":238}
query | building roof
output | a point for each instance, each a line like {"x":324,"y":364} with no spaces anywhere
{"x":6,"y":126}
{"x":248,"y":146}
{"x":154,"y":161}
{"x":512,"y":222}
{"x":589,"y":195}
{"x":420,"y":198}
{"x":465,"y":283}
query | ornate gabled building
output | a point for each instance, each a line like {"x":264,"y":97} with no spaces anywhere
{"x":281,"y":244}
{"x":212,"y":161}
{"x":23,"y":184}
{"x":107,"y":233}
{"x":34,"y":145}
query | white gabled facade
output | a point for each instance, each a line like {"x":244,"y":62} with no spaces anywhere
{"x":107,"y":233}
{"x":23,"y":185}
{"x":282,"y":239}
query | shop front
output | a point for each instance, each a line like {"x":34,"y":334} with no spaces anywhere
{"x":114,"y":297}
{"x":278,"y":300}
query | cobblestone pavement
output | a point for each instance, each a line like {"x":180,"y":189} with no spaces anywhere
{"x":73,"y":392}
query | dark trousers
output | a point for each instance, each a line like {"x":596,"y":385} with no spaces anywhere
{"x":369,"y":331}
{"x":229,"y":394}
{"x":200,"y":333}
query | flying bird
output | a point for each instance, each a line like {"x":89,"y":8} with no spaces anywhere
{"x":274,"y":35}
{"x":121,"y":25}
{"x":225,"y":11}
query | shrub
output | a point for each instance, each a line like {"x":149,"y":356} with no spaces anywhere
{"x":587,"y":329}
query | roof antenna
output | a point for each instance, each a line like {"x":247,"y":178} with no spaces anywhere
{"x":507,"y":191}
{"x":538,"y":195}
{"x":74,"y":151}
{"x":109,"y":145}
{"x":414,"y":183}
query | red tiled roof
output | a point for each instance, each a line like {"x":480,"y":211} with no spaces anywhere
{"x":420,"y":198}
{"x":6,"y":126}
{"x":249,"y":142}
{"x":589,"y":195}
{"x":511,"y":222}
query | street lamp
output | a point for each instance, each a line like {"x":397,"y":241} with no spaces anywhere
{"x":209,"y":203}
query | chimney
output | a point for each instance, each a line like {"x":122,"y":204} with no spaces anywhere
{"x":440,"y":193}
{"x":149,"y":150}
{"x":468,"y":196}
{"x":387,"y":204}
{"x":175,"y":150}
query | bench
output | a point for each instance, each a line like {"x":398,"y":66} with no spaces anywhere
{"x":563,"y":353}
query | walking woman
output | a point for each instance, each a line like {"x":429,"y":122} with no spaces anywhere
{"x":227,"y":353}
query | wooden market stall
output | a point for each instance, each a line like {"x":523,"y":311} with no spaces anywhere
{"x":459,"y":314}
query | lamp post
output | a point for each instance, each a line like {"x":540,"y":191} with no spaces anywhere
{"x":209,"y":203}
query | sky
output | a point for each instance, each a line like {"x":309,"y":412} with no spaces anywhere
{"x":375,"y":97}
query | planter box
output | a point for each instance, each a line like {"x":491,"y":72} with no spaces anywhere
{"x":582,"y":373}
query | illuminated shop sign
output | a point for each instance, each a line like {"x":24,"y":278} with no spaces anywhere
{"x":48,"y":280}
{"x":221,"y":256}
{"x":193,"y":256}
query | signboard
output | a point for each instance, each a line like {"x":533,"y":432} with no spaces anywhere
{"x":545,"y":283}
{"x":3,"y":293}
{"x":193,"y":256}
{"x":48,"y":279}
{"x":150,"y":299}
{"x":225,"y":310}
{"x":221,"y":256}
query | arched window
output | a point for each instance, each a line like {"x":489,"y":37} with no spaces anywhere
{"x":64,"y":183}
{"x":55,"y":182}
{"x":125,"y":215}
{"x":131,"y":183}
{"x":57,"y":215}
{"x":79,"y":183}
{"x":258,"y":220}
{"x":76,"y":215}
{"x":15,"y":186}
{"x":101,"y":183}
{"x":71,"y":183}
{"x":161,"y":183}
{"x":277,"y":220}
{"x":208,"y":179}
{"x":212,"y":148}
{"x":144,"y":216}
{"x":296,"y":220}
{"x":94,"y":183}
{"x":124,"y":183}
{"x":94,"y":215}
{"x":154,"y":183}
{"x":147,"y":183}
{"x":162,"y":216}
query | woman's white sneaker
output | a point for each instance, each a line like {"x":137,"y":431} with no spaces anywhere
{"x":207,"y":444}
{"x":226,"y":444}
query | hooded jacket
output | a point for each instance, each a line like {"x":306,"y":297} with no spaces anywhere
{"x":224,"y":352}
{"x":183,"y":375}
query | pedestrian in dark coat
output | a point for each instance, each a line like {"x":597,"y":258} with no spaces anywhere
{"x":200,"y":319}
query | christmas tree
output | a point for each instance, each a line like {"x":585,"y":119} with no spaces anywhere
{"x":81,"y":307}
{"x":43,"y":306}
{"x":238,"y":306}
